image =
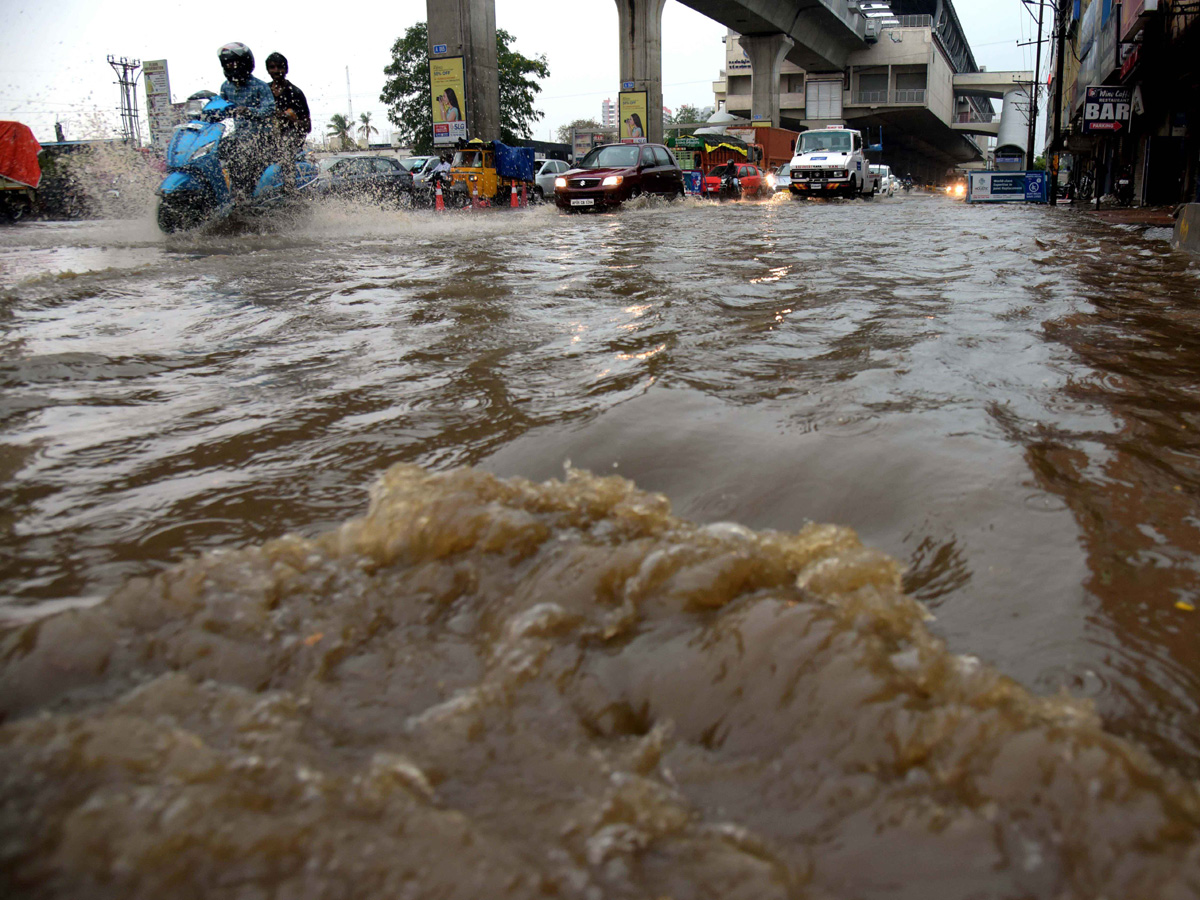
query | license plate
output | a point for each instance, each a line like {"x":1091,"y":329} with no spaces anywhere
{"x":586,"y":202}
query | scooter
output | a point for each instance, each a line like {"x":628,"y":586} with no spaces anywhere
{"x":907,"y":185}
{"x":198,"y":191}
{"x":1125,"y":188}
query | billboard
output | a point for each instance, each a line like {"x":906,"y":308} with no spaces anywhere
{"x":1007,"y":187}
{"x":159,"y":112}
{"x":633,"y":115}
{"x":447,"y":92}
{"x":1106,"y":109}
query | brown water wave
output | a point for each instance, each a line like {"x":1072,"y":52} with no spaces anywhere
{"x":496,"y":687}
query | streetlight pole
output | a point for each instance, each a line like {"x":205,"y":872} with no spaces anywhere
{"x":1060,"y":26}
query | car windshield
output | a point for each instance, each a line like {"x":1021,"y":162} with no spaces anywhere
{"x":838,"y":141}
{"x":468,"y":159}
{"x":611,"y":157}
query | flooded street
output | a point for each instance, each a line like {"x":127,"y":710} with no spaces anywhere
{"x":1003,"y":400}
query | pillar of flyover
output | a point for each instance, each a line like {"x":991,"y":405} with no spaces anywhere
{"x":766,"y":53}
{"x":640,"y":24}
{"x":467,"y":28}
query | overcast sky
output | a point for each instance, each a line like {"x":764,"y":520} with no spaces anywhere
{"x":53,"y":55}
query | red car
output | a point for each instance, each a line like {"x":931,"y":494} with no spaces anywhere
{"x":612,"y":173}
{"x":747,"y":181}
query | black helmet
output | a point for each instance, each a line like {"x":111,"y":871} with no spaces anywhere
{"x":237,"y":61}
{"x":277,"y":59}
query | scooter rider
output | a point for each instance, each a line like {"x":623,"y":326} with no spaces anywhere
{"x":254,"y":107}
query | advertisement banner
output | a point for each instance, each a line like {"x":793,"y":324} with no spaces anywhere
{"x":1007,"y":187}
{"x":1106,"y":109}
{"x":633,"y":115}
{"x":159,"y":112}
{"x":447,"y":90}
{"x":583,"y":141}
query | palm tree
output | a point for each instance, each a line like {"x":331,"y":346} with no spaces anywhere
{"x":339,"y":129}
{"x":366,"y":128}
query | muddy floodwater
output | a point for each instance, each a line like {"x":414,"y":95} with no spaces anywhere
{"x":762,"y":550}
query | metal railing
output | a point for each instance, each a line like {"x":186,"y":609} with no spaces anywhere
{"x":965,"y":118}
{"x":910,"y":96}
{"x":871,"y":97}
{"x":915,"y":21}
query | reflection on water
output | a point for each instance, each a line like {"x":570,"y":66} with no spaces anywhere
{"x":1002,"y":399}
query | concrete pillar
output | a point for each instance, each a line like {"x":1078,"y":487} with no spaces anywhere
{"x":640,"y":25}
{"x":766,"y":53}
{"x":468,"y":29}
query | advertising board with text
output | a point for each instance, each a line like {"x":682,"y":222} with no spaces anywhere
{"x":633,"y":115}
{"x":447,"y":91}
{"x":1106,"y":110}
{"x":1007,"y":187}
{"x":159,"y":112}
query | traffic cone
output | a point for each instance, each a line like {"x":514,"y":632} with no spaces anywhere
{"x":512,"y":198}
{"x":438,"y":202}
{"x":474,"y":196}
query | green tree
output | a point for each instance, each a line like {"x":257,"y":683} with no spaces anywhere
{"x":339,"y":130}
{"x":406,"y":89}
{"x":366,"y":129}
{"x":686,"y":115}
{"x":564,"y":131}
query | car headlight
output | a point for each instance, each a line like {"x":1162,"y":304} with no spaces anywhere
{"x":771,"y":180}
{"x":560,"y":183}
{"x":612,"y":180}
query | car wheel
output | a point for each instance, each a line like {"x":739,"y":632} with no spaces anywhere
{"x":539,"y":196}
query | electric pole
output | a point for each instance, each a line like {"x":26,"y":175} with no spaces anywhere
{"x":127,"y":78}
{"x":1060,"y":26}
{"x":1035,"y":91}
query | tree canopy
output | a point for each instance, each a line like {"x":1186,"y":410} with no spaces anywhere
{"x":564,"y":131}
{"x":406,"y":90}
{"x":339,"y":130}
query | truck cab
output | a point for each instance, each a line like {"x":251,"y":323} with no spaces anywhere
{"x":832,"y":162}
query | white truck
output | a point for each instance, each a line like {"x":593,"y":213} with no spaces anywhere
{"x":831,"y":162}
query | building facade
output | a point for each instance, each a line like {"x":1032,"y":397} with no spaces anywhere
{"x":1149,"y":48}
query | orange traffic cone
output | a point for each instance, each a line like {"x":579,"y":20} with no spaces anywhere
{"x":438,"y":202}
{"x":512,"y":198}
{"x":474,"y":196}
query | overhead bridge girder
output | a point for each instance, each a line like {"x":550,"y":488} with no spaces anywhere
{"x":824,"y":32}
{"x":990,"y":128}
{"x":990,"y":84}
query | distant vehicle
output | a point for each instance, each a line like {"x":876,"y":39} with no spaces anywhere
{"x":830,"y":162}
{"x":781,"y":178}
{"x":887,"y":184}
{"x":745,"y":181}
{"x":415,"y":163}
{"x":20,"y":172}
{"x":378,"y":179}
{"x":544,"y":173}
{"x":613,"y":173}
{"x":422,"y":172}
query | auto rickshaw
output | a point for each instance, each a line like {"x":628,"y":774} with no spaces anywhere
{"x":486,"y":172}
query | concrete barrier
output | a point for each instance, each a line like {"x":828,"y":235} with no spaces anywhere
{"x":1187,"y":228}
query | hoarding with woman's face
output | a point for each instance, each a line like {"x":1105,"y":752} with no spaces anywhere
{"x":447,"y":88}
{"x":633,"y":115}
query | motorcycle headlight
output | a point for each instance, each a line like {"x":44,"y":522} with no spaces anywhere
{"x":612,"y":180}
{"x":203,"y":152}
{"x":560,"y":183}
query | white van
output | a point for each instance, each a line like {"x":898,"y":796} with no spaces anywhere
{"x":830,"y":162}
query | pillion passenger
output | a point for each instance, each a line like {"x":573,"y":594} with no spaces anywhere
{"x":253,"y":108}
{"x":292,"y":118}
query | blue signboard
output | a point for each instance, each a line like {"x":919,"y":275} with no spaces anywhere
{"x":1007,"y":187}
{"x":439,"y":48}
{"x":693,"y":181}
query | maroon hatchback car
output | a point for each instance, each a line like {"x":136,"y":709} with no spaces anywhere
{"x":612,"y":173}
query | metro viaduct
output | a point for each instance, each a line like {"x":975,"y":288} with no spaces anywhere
{"x":819,"y":36}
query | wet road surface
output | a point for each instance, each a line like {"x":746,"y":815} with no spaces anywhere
{"x":1003,"y":400}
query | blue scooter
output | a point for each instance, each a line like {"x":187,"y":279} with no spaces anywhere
{"x":197,"y":190}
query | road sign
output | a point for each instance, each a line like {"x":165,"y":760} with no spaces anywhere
{"x":627,"y":85}
{"x":439,"y":48}
{"x":1106,"y":109}
{"x":1007,"y":187}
